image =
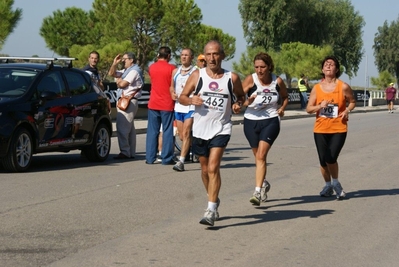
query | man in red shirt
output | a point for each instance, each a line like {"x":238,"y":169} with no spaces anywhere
{"x":390,"y":96}
{"x":160,"y":108}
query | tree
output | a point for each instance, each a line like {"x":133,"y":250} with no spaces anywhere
{"x":146,"y":24}
{"x":9,"y":19}
{"x":292,"y":60}
{"x":270,"y":24}
{"x":69,"y":27}
{"x":383,"y":80}
{"x":297,"y":58}
{"x":386,"y":48}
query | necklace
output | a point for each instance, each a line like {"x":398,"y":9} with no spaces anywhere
{"x":186,"y":68}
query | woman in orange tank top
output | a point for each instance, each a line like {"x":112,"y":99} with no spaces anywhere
{"x":329,"y":100}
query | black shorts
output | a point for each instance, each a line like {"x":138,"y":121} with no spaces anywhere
{"x":329,"y":146}
{"x":202,"y":147}
{"x":389,"y":101}
{"x":261,"y":130}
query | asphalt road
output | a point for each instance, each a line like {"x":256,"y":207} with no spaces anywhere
{"x":68,"y":212}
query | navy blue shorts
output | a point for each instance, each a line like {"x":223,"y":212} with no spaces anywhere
{"x":261,"y":130}
{"x":202,"y":147}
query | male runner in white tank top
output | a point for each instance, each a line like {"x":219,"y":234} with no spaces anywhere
{"x":217,"y":93}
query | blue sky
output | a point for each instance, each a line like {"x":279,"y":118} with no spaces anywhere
{"x":223,"y":14}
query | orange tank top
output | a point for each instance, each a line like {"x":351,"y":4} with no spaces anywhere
{"x":327,"y":120}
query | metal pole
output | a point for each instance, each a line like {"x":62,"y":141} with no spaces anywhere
{"x":365,"y":85}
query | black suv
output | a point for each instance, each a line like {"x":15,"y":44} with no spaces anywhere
{"x":50,"y":108}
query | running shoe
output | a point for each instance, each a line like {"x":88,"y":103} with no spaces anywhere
{"x":327,"y":191}
{"x":179,"y":166}
{"x":264,"y":190}
{"x":217,"y":212}
{"x":255,"y":199}
{"x":209,"y":218}
{"x":339,"y":192}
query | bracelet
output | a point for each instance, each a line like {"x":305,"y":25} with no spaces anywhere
{"x":349,"y":111}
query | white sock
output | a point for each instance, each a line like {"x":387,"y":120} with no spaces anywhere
{"x":335,"y":181}
{"x":160,"y":153}
{"x":328,"y":183}
{"x":257,"y":189}
{"x":182,"y":159}
{"x":212,"y":206}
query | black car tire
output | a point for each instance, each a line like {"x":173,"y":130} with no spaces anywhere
{"x":19,"y":156}
{"x":101,"y":145}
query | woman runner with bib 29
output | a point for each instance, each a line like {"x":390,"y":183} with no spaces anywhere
{"x":265,"y":91}
{"x":328,"y":100}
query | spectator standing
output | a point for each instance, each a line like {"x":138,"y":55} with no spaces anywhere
{"x":130,"y":83}
{"x":214,"y":89}
{"x":91,"y":68}
{"x":303,"y":88}
{"x":183,"y":114}
{"x":390,"y":96}
{"x":329,"y":99}
{"x":262,"y":118}
{"x":160,"y":109}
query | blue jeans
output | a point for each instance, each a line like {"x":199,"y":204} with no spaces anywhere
{"x":304,"y":99}
{"x":155,"y":119}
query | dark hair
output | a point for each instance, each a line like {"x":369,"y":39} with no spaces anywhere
{"x":94,"y":52}
{"x":131,"y":55}
{"x":333,"y":58}
{"x":164,"y":52}
{"x":265,"y":57}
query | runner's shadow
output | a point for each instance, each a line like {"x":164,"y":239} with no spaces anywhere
{"x":271,"y":216}
{"x":315,"y":198}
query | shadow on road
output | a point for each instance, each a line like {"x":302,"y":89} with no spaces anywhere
{"x":272,"y":216}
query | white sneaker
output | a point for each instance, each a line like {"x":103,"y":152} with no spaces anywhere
{"x":255,"y":199}
{"x":209,"y":218}
{"x":327,"y":191}
{"x":339,"y":191}
{"x":264,"y":190}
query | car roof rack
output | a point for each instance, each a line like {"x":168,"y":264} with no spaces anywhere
{"x":49,"y":60}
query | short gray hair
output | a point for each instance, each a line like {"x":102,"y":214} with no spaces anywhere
{"x":131,"y":55}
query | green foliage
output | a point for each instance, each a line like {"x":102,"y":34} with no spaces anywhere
{"x":297,"y":58}
{"x":9,"y":19}
{"x":73,"y":26}
{"x":383,"y":80}
{"x":270,"y":24}
{"x":292,"y":60}
{"x":386,"y":48}
{"x":145,"y":24}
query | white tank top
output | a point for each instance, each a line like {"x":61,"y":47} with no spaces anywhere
{"x":265,"y":104}
{"x":180,"y":81}
{"x":213,"y":117}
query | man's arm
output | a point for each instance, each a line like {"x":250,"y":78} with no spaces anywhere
{"x":112,"y":69}
{"x":172,"y":86}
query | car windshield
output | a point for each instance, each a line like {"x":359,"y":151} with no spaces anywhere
{"x":15,"y":82}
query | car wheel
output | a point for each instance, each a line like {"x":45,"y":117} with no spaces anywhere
{"x":101,"y":145}
{"x":19,"y":156}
